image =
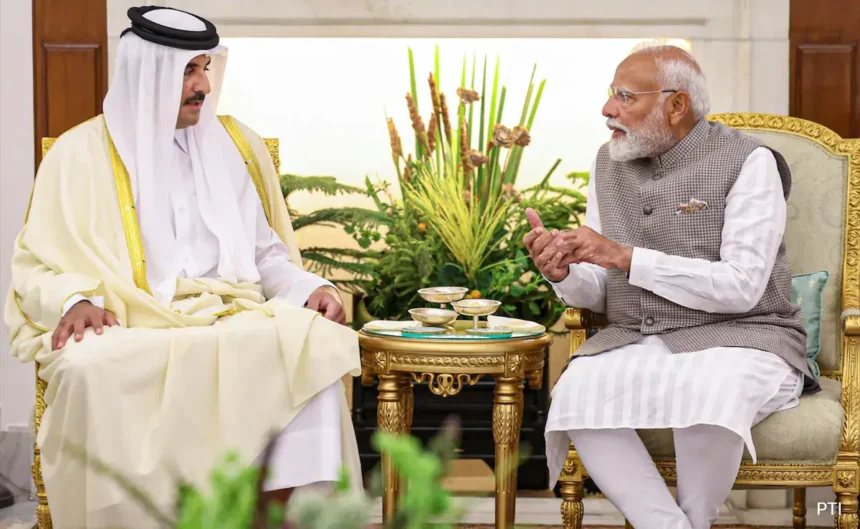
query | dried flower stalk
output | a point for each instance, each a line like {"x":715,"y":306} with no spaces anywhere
{"x":407,"y":173}
{"x":464,"y":148}
{"x":434,"y":94}
{"x":431,"y":132}
{"x":446,"y":121}
{"x":417,"y":122}
{"x":396,"y":145}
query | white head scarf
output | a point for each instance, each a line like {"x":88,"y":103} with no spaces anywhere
{"x":140,"y":110}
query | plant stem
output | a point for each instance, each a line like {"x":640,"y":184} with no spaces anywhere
{"x":419,"y":149}
{"x":482,"y":145}
{"x":472,"y":106}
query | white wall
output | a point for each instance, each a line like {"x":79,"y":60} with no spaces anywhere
{"x":17,"y":380}
{"x":741,"y":44}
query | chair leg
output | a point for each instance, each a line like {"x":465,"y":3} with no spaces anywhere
{"x":847,"y":516}
{"x":571,"y":491}
{"x":43,"y":510}
{"x":799,"y":508}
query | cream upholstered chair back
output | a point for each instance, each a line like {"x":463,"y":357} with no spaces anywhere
{"x":823,"y":217}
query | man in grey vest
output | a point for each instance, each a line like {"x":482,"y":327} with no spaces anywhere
{"x":683,"y":250}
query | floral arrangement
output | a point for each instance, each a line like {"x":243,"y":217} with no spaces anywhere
{"x":461,"y":218}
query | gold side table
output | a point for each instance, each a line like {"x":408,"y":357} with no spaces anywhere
{"x":448,"y":364}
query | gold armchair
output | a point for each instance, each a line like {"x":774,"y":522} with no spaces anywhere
{"x":43,"y":510}
{"x":818,"y":442}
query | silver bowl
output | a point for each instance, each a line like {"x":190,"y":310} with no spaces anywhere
{"x":443,"y":295}
{"x":476,"y":308}
{"x":432,"y":316}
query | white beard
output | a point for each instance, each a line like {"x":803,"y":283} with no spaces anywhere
{"x":650,"y":139}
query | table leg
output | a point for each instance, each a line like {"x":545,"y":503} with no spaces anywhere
{"x":506,"y":432}
{"x":407,"y":401}
{"x":390,"y":419}
{"x":516,"y":451}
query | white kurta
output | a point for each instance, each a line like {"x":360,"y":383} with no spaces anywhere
{"x":643,"y":385}
{"x":309,"y":448}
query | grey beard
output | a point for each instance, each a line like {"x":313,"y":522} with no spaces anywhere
{"x":650,"y":140}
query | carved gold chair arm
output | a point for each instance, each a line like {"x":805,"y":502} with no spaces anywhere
{"x":584,"y":320}
{"x":851,"y":325}
{"x":580,"y":323}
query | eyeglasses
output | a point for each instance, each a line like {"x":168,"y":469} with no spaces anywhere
{"x":625,"y":98}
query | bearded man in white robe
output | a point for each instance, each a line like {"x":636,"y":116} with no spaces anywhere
{"x":682,"y":249}
{"x":158,"y":285}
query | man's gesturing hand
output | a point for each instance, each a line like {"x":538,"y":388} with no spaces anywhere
{"x":80,"y":317}
{"x":543,"y":248}
{"x":584,"y":245}
{"x":327,"y":305}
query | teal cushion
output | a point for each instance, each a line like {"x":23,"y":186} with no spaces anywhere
{"x":807,"y":290}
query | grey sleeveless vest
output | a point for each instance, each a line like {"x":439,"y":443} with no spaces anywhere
{"x":638,"y":202}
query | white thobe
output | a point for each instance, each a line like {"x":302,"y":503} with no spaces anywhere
{"x":308,"y":449}
{"x":279,"y":277}
{"x":643,"y":385}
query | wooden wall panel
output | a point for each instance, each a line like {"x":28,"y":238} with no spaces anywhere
{"x":826,"y":91}
{"x":69,"y":64}
{"x":825,"y":63}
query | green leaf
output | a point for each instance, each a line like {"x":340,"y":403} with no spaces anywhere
{"x":494,"y":101}
{"x":436,"y":72}
{"x":535,"y":106}
{"x":327,"y":185}
{"x":534,"y":308}
{"x":528,"y":97}
{"x":472,"y":106}
{"x":324,"y":265}
{"x":343,"y":252}
{"x":482,"y":144}
{"x":340,"y":216}
{"x":372,"y":193}
{"x":578,"y":177}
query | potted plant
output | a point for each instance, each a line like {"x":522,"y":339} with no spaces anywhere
{"x":460,"y":218}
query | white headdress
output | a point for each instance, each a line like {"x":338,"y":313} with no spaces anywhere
{"x":141,"y":109}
